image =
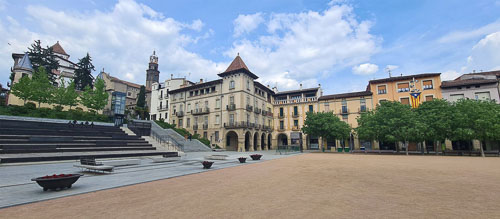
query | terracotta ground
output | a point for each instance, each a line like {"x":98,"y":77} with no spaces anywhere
{"x":305,"y":186}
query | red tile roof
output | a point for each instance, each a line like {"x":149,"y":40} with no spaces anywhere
{"x":236,"y":66}
{"x":57,"y":48}
{"x":458,"y":83}
{"x":404,"y":77}
{"x":126,"y":82}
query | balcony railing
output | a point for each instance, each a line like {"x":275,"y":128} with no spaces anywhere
{"x":162,"y":108}
{"x":179,"y":114}
{"x":231,"y":106}
{"x":297,"y":100}
{"x":257,"y":110}
{"x":281,"y":129}
{"x":240,"y":124}
{"x":195,"y":127}
{"x":249,"y":108}
{"x":345,"y":111}
{"x":295,"y":115}
{"x":295,"y":128}
{"x":200,"y":111}
{"x":266,"y":128}
{"x":281,"y":116}
{"x":270,"y":114}
{"x":205,"y":126}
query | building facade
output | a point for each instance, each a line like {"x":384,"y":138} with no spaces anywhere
{"x":476,"y":86}
{"x":160,"y":97}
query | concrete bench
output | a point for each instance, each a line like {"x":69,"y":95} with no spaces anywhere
{"x":117,"y":163}
{"x":165,"y":159}
{"x":103,"y":168}
{"x":216,"y":157}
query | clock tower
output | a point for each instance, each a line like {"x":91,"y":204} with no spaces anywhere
{"x":152,"y":74}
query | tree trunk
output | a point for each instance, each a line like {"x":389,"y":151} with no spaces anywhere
{"x":406,"y":147}
{"x":481,"y":148}
{"x":424,"y":148}
{"x":397,"y":146}
{"x":39,"y":103}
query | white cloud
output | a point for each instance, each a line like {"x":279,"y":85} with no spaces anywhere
{"x":470,"y":34}
{"x":120,"y":40}
{"x":247,"y":23}
{"x":391,"y":67}
{"x":365,"y":69}
{"x":449,"y":75}
{"x":307,"y":45}
{"x":485,"y":54}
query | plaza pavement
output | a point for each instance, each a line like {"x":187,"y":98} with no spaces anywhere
{"x":16,"y":187}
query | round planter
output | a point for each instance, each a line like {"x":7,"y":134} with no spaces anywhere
{"x":242,"y":159}
{"x":207,"y":164}
{"x":256,"y":156}
{"x":57,"y":181}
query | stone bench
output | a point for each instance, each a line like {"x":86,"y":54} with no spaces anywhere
{"x":103,"y":168}
{"x":117,"y":163}
{"x":165,"y":159}
{"x":216,"y":157}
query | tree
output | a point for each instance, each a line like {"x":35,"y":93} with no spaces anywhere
{"x":96,"y":98}
{"x":368,"y":128}
{"x":83,"y":74}
{"x":23,"y":89}
{"x":140,"y":108}
{"x":476,"y":119}
{"x":40,"y":57}
{"x":65,"y":95}
{"x":325,"y":125}
{"x":41,"y":87}
{"x":437,"y":117}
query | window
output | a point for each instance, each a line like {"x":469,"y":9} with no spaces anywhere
{"x":455,"y":97}
{"x":295,"y":110}
{"x":362,"y":103}
{"x":344,"y":109}
{"x":217,"y":119}
{"x":248,"y":117}
{"x":129,"y":93}
{"x":248,"y":84}
{"x":216,"y":136}
{"x":327,"y":107}
{"x":217,"y":103}
{"x":189,"y":107}
{"x":206,"y":103}
{"x":231,"y":100}
{"x":180,"y":122}
{"x":205,"y":134}
{"x":482,"y":96}
{"x":188,"y":122}
{"x":231,"y":118}
{"x":427,"y":84}
{"x":405,"y":101}
{"x":282,"y":125}
{"x":206,"y":120}
{"x":380,"y":101}
{"x":382,"y":89}
{"x":231,"y":84}
{"x":281,"y":111}
{"x":429,"y":98}
{"x":345,"y":117}
{"x":310,"y":108}
{"x":296,"y":123}
{"x":403,"y":87}
{"x":195,"y":120}
{"x":161,"y":94}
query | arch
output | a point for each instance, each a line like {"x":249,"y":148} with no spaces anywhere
{"x":247,"y":141}
{"x":231,"y":141}
{"x":263,"y":141}
{"x":255,"y":141}
{"x":282,"y":139}
{"x":269,"y":140}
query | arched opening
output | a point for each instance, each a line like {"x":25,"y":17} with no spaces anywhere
{"x":282,"y":140}
{"x":232,"y":141}
{"x":247,"y":141}
{"x":263,"y":141}
{"x":255,"y":141}
{"x":269,"y":140}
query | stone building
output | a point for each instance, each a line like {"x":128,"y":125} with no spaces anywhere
{"x":160,"y":97}
{"x":476,"y":86}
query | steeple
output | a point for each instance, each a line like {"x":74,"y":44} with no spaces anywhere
{"x":238,"y":65}
{"x":152,"y":74}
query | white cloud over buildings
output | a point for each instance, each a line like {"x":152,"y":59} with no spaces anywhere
{"x":365,"y":69}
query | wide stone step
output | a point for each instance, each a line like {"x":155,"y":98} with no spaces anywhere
{"x":71,"y":145}
{"x":16,"y":158}
{"x":62,"y":150}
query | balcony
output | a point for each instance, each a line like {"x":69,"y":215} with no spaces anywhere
{"x":295,"y":115}
{"x":195,"y":127}
{"x":162,"y":108}
{"x":258,"y":126}
{"x":231,"y":106}
{"x":257,"y":110}
{"x":266,"y":128}
{"x":281,"y":116}
{"x":270,"y":114}
{"x":296,"y":100}
{"x":234,"y":125}
{"x":281,"y":129}
{"x":344,"y":111}
{"x":295,"y":128}
{"x":179,"y":114}
{"x":205,"y":126}
{"x":249,"y":108}
{"x":200,"y":111}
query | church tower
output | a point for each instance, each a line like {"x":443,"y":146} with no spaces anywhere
{"x":152,"y":74}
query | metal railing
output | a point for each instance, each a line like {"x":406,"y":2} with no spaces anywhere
{"x":285,"y":149}
{"x":200,"y":111}
{"x":231,"y":107}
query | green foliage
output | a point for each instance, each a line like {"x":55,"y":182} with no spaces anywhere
{"x":45,"y":58}
{"x":475,"y":119}
{"x":22,"y":89}
{"x":83,"y":74}
{"x":326,"y":125}
{"x":30,"y":110}
{"x":141,"y":99}
{"x":65,"y":95}
{"x":182,"y":131}
{"x":41,"y":87}
{"x":96,"y":98}
{"x":437,"y":116}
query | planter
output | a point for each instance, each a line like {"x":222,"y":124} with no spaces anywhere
{"x":346,"y":149}
{"x":207,"y":164}
{"x":54,"y":182}
{"x":242,"y":159}
{"x":256,"y":156}
{"x":339,"y":149}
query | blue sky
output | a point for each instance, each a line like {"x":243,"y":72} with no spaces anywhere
{"x":341,"y":44}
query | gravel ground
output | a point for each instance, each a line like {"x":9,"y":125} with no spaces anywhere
{"x":312,"y":185}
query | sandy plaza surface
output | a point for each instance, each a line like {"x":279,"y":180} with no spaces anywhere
{"x":314,"y":185}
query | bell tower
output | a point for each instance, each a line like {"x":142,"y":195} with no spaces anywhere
{"x":152,"y":74}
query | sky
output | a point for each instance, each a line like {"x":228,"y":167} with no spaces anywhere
{"x":340,"y":44}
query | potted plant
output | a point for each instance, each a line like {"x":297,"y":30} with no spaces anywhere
{"x":55,"y":181}
{"x":207,"y":164}
{"x":256,"y":156}
{"x":242,"y":159}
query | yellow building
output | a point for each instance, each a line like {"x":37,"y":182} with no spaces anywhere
{"x":398,"y":88}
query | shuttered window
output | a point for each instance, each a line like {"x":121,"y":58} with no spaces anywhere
{"x":382,"y":89}
{"x":405,"y":101}
{"x":427,"y":84}
{"x":403,"y":87}
{"x":429,"y":98}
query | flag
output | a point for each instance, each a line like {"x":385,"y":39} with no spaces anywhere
{"x":415,"y":99}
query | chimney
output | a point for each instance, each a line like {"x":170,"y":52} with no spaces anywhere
{"x":300,"y":86}
{"x":201,"y":80}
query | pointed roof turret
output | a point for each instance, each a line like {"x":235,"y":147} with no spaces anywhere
{"x":57,"y":48}
{"x":238,"y":66}
{"x":25,"y":63}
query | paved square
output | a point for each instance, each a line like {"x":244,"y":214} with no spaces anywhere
{"x":306,"y":186}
